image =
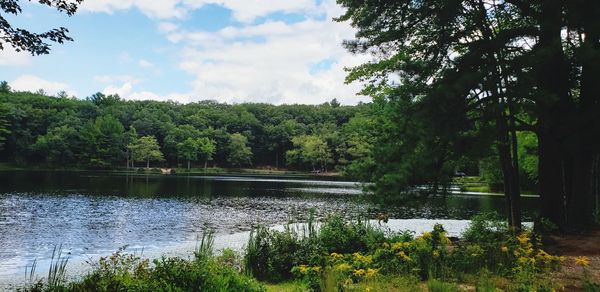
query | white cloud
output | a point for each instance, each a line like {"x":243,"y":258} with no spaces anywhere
{"x":145,"y":64}
{"x":127,"y":91}
{"x":10,"y":57}
{"x":166,"y":27}
{"x":242,"y":10}
{"x":152,"y":8}
{"x":33,"y":83}
{"x":272,"y":61}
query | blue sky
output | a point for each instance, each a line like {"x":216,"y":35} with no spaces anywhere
{"x":187,"y":50}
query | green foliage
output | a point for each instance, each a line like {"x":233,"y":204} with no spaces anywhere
{"x":145,"y":149}
{"x":439,"y":286}
{"x":239,"y":153}
{"x":346,"y":255}
{"x":268,"y":130}
{"x":188,"y":150}
{"x":312,"y":150}
{"x":129,"y":272}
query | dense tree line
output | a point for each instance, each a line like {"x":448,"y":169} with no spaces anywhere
{"x":474,"y":80}
{"x":108,"y":132}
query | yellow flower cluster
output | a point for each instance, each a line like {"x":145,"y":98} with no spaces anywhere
{"x":365,"y":273}
{"x":523,"y":238}
{"x":426,"y":235}
{"x":403,"y":256}
{"x":343,"y":267}
{"x":336,"y":256}
{"x":359,"y":272}
{"x":372,"y":272}
{"x":358,"y":257}
{"x":582,"y":261}
{"x":304,"y":269}
{"x":400,"y":245}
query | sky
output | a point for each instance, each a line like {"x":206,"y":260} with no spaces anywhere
{"x":273,"y":51}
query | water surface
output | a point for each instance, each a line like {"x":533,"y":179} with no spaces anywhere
{"x":94,"y":213}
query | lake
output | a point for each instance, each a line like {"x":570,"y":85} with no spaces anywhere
{"x":92,"y":214}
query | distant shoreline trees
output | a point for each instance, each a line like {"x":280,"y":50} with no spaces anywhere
{"x":105,"y":131}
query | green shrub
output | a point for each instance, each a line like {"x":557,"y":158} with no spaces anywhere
{"x":341,"y":236}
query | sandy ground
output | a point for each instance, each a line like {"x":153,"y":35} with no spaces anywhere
{"x":573,"y":246}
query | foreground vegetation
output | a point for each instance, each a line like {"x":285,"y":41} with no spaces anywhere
{"x":340,"y":255}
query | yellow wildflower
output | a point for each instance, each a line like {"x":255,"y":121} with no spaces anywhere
{"x":397,"y":246}
{"x":436,"y":253}
{"x":426,"y":234}
{"x":403,"y":256}
{"x":371,"y":272}
{"x":343,"y":267}
{"x":386,"y":245}
{"x":303,"y":269}
{"x":359,"y":272}
{"x":523,"y":238}
{"x":367,"y":289}
{"x":348,"y":282}
{"x":504,"y":249}
{"x":582,"y":261}
{"x":316,"y":269}
{"x":336,"y":256}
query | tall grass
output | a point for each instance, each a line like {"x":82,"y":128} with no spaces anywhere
{"x":57,"y":273}
{"x":207,"y":242}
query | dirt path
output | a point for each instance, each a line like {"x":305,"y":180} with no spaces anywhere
{"x":573,"y":246}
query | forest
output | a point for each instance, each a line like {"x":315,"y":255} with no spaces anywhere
{"x":108,"y":132}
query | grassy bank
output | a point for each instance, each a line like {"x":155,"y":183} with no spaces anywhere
{"x":345,"y":255}
{"x":178,"y":171}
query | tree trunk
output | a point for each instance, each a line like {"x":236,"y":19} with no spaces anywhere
{"x":188,"y":165}
{"x":552,"y":106}
{"x":276,"y":159}
{"x":148,"y":163}
{"x":205,"y":163}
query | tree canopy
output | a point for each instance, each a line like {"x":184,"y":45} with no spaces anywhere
{"x":457,"y":79}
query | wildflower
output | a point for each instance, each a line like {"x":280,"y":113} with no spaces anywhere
{"x":316,"y":269}
{"x":523,"y":238}
{"x":386,"y":245}
{"x":336,"y":256}
{"x":368,"y":289}
{"x":436,"y":253}
{"x":397,"y":245}
{"x":303,"y":269}
{"x":426,"y":235}
{"x":582,"y":261}
{"x":348,"y":282}
{"x":343,"y":267}
{"x":403,"y":256}
{"x":359,"y":272}
{"x":371,"y":272}
{"x":504,"y":249}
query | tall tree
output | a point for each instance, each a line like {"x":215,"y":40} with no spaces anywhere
{"x":239,"y":153}
{"x":206,"y":148}
{"x":109,"y":140}
{"x":496,"y":65}
{"x":188,"y":150}
{"x":146,"y":148}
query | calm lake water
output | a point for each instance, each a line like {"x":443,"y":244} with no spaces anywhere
{"x":91,"y":214}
